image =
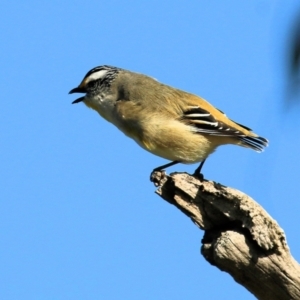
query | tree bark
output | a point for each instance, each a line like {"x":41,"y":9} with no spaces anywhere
{"x":240,"y":237}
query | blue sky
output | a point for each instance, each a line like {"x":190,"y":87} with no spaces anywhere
{"x":79,"y":217}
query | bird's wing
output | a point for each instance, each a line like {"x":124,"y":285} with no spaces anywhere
{"x":201,"y":121}
{"x":204,"y":122}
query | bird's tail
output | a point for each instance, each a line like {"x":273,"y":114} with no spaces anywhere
{"x":257,"y":143}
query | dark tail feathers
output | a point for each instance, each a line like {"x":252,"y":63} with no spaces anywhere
{"x":256,"y":143}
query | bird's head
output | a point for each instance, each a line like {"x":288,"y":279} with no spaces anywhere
{"x":96,"y":83}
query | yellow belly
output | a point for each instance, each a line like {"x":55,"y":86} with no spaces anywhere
{"x":184,"y":146}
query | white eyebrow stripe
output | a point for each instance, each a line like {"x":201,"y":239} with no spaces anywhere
{"x":97,"y":75}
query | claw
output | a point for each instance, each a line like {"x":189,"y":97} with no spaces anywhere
{"x":157,"y":176}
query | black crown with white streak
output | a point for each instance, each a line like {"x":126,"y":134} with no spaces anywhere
{"x":103,"y":74}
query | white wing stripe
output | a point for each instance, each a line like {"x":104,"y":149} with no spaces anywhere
{"x":197,"y":115}
{"x":214,"y":124}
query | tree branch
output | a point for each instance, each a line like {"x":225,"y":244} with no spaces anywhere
{"x":240,"y":237}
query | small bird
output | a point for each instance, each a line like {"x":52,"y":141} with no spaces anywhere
{"x":165,"y":121}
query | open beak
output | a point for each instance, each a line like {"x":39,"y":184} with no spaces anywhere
{"x":78,"y":90}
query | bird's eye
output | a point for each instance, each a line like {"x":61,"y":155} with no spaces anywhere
{"x":91,"y":84}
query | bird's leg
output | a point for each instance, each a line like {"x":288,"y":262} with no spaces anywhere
{"x":172,"y":163}
{"x":198,"y":170}
{"x":157,"y":177}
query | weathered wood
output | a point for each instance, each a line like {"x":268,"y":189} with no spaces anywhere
{"x":240,"y":237}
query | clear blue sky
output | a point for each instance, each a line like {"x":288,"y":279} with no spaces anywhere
{"x":79,"y":217}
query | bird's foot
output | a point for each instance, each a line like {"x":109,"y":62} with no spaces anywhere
{"x":198,"y":175}
{"x":157,"y":176}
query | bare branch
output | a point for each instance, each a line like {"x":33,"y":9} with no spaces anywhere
{"x":240,"y":237}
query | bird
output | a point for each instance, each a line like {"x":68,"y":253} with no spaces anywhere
{"x":168,"y":122}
